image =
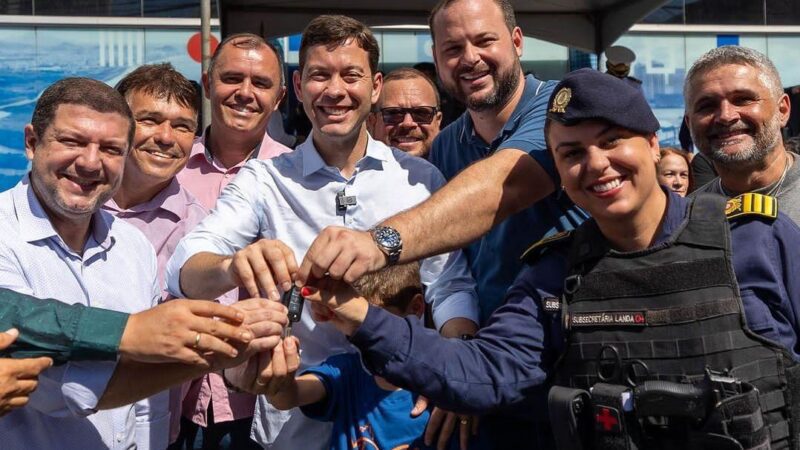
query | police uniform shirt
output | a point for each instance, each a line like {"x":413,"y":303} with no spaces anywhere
{"x":507,"y":366}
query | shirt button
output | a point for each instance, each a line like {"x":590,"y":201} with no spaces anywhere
{"x":119,"y":437}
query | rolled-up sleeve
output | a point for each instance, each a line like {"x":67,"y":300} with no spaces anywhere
{"x":231,"y":225}
{"x":450,"y":288}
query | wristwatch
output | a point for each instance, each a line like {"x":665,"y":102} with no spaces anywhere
{"x":388,"y":240}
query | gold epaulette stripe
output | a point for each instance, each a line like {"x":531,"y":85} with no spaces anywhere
{"x":752,"y":203}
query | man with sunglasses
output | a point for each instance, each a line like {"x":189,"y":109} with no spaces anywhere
{"x":409,"y":113}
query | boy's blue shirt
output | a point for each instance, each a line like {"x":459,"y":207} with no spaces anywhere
{"x":365,"y":416}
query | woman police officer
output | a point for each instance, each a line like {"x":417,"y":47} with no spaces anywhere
{"x":700,"y":296}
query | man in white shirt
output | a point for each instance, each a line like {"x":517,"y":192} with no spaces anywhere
{"x":273,"y":210}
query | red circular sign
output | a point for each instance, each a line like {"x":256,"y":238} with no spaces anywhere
{"x":193,"y":46}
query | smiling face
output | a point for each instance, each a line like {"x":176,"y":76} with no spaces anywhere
{"x":337,"y":89}
{"x":410,"y":136}
{"x":476,"y":56}
{"x":77,"y":163}
{"x":244,"y":89}
{"x":163,"y":140}
{"x":607,"y":170}
{"x":733,"y":116}
{"x":673,"y":172}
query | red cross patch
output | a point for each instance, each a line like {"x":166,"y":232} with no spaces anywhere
{"x":607,"y":420}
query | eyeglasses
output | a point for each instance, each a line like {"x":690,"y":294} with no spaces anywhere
{"x":419,"y":114}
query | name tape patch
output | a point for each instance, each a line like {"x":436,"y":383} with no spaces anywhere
{"x":552,"y":304}
{"x":616,"y":318}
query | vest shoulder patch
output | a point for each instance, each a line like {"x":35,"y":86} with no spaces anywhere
{"x":539,"y":248}
{"x":752,"y":204}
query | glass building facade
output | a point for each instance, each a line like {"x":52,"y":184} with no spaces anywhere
{"x":105,"y":8}
{"x":727,"y":12}
{"x":666,"y":43}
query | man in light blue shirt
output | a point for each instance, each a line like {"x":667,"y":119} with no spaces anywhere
{"x":54,"y":242}
{"x":274,"y":209}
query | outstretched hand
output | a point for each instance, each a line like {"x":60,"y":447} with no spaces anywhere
{"x":263,"y":266}
{"x":18,"y":377}
{"x":441,"y":425}
{"x":200,"y":332}
{"x":268,"y":373}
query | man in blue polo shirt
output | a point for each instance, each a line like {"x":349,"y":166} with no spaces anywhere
{"x":505,"y":113}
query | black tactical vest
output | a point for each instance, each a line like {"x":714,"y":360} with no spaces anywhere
{"x":662,"y":323}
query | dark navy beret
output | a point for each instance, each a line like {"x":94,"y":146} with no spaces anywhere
{"x":587,"y":94}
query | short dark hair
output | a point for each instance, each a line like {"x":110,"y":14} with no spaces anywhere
{"x":407,"y":73}
{"x":81,"y":91}
{"x":393,"y":286}
{"x":246,"y":41}
{"x":335,"y":30}
{"x":160,"y":81}
{"x":505,"y":7}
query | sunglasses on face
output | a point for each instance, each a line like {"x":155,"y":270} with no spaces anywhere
{"x":419,"y":114}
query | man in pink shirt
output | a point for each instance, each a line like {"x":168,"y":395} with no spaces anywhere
{"x":245,"y":83}
{"x":164,"y":105}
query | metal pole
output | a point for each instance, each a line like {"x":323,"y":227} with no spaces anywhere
{"x":205,"y":51}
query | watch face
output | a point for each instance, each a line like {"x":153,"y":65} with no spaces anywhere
{"x":387,"y":237}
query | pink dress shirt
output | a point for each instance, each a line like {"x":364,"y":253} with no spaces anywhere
{"x":164,"y":220}
{"x":205,"y":178}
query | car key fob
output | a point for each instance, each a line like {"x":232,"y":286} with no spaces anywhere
{"x":293,"y":301}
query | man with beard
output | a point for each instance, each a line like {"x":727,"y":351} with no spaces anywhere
{"x":735,"y":109}
{"x":408,"y":114}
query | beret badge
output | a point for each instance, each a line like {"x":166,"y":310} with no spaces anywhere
{"x":561,"y":100}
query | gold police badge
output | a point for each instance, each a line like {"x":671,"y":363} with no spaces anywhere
{"x":733,"y":206}
{"x":561,"y":100}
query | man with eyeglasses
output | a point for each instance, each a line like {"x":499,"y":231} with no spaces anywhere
{"x":408,"y":112}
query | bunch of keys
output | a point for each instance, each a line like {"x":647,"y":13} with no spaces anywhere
{"x":293,"y":301}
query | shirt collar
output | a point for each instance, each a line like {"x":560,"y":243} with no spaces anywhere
{"x":35,"y":224}
{"x":168,"y":199}
{"x":532,"y":88}
{"x":313,"y":162}
{"x":204,"y":148}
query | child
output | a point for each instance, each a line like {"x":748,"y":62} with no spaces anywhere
{"x":367,"y":412}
